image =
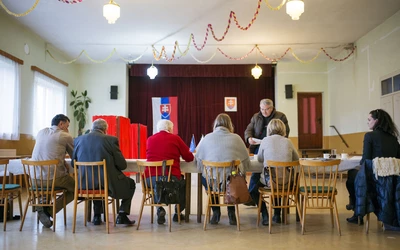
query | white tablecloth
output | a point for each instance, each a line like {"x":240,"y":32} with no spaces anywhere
{"x":16,"y":168}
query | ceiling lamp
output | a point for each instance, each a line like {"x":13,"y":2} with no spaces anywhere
{"x":111,"y":11}
{"x":256,"y":72}
{"x":295,"y":8}
{"x":152,"y":72}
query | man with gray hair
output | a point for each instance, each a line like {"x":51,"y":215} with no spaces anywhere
{"x":97,"y":146}
{"x":257,"y":130}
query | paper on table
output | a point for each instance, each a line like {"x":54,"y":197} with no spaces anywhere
{"x":257,"y":141}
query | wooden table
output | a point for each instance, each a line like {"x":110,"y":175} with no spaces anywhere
{"x":319,"y":151}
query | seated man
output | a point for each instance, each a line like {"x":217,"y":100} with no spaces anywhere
{"x":97,"y":146}
{"x":52,"y":143}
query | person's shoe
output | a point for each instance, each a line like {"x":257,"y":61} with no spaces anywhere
{"x":277,"y":218}
{"x":350,"y":207}
{"x":175,"y":218}
{"x":122,"y":219}
{"x":250,"y":203}
{"x":97,"y":219}
{"x":44,"y":218}
{"x":354,"y":219}
{"x":215,"y":218}
{"x":232,"y":218}
{"x":161,"y":216}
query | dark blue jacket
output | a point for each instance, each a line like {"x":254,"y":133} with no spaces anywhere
{"x":381,"y":196}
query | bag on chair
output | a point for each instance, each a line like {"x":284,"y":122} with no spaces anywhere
{"x":168,"y":192}
{"x":236,"y":189}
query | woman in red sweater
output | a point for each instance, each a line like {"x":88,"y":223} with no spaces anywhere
{"x":165,"y":146}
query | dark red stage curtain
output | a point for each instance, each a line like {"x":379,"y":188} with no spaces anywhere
{"x":200,"y":90}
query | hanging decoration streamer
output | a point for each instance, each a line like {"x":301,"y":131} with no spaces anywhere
{"x":275,"y":8}
{"x":163,"y":54}
{"x":232,"y":14}
{"x":73,"y":1}
{"x":114,"y":51}
{"x":302,"y":61}
{"x":22,"y":14}
{"x":342,"y":59}
{"x":237,"y":58}
{"x":206,"y":61}
{"x":272,"y":59}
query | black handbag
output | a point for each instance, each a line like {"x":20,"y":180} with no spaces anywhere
{"x":168,"y":192}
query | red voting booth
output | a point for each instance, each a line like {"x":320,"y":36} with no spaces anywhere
{"x":132,"y":137}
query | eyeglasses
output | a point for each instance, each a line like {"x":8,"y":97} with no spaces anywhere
{"x":262,"y":110}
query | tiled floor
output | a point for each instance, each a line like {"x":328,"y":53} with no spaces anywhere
{"x":319,"y":235}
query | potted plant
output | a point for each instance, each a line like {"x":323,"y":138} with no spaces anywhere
{"x":80,"y":103}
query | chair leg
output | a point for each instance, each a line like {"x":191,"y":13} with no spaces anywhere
{"x":207,"y":216}
{"x":331,"y":212}
{"x":5,"y":211}
{"x":304,"y":201}
{"x":237,"y":217}
{"x":141,"y":212}
{"x":270,"y":214}
{"x":259,"y":209}
{"x":75,"y":209}
{"x":169,"y":217}
{"x":107,"y":215}
{"x":298,"y":208}
{"x":20,"y":202}
{"x":24,"y":215}
{"x":179,"y":213}
{"x":337,"y":218}
{"x":65,"y":209}
{"x":113,"y":205}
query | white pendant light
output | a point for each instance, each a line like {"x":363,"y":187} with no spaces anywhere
{"x":295,"y":8}
{"x":256,"y":72}
{"x":111,"y":11}
{"x":152,"y":72}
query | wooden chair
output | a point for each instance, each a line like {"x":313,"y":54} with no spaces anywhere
{"x":40,"y":178}
{"x":284,"y":192}
{"x":86,"y":189}
{"x":319,"y":190}
{"x":8,"y":192}
{"x":148,"y":188}
{"x":216,"y":175}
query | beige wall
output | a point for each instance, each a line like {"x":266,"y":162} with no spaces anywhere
{"x":97,"y":79}
{"x":13,"y":37}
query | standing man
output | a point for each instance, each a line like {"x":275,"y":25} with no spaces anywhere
{"x":52,"y":143}
{"x":97,"y":146}
{"x":257,"y":129}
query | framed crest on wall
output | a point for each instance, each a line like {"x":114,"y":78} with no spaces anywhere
{"x":230,"y":104}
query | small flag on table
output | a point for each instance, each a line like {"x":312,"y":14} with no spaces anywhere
{"x":192,"y":145}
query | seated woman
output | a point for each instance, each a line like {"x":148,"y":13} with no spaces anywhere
{"x":274,"y":147}
{"x":165,"y":146}
{"x":222,"y":145}
{"x":382,"y":141}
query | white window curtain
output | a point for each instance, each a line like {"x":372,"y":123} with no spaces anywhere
{"x":50,"y":98}
{"x":10,"y":98}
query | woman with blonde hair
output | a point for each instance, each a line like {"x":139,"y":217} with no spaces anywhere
{"x":274,"y":147}
{"x":222,"y":145}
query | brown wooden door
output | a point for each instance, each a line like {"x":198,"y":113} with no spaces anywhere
{"x":309,"y":110}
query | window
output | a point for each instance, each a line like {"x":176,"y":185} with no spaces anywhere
{"x":50,"y":99}
{"x":10,"y":98}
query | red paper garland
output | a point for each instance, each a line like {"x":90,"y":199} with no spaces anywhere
{"x":71,"y":1}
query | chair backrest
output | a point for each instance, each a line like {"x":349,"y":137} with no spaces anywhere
{"x":319,"y":179}
{"x":155,"y":167}
{"x":39,"y":179}
{"x":4,"y":182}
{"x":216,"y":175}
{"x":91,"y":179}
{"x":284,"y":181}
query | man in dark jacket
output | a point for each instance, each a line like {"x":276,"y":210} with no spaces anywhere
{"x":257,"y":130}
{"x":97,"y":146}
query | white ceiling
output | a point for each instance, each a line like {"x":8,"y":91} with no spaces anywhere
{"x":71,"y":28}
